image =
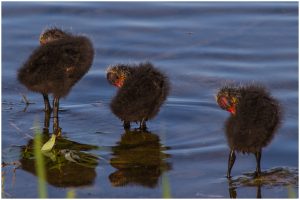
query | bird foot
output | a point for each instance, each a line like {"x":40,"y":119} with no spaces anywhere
{"x":143,"y":126}
{"x":126,"y":125}
{"x":46,"y":130}
{"x":228,"y":176}
{"x":257,"y":174}
{"x":48,"y":110}
{"x":57,"y":132}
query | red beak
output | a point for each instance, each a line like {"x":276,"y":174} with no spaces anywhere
{"x":118,"y":84}
{"x":232,"y":110}
{"x":226,"y":106}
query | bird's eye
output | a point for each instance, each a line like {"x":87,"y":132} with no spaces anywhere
{"x":112,"y":77}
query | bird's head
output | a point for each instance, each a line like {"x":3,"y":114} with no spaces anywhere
{"x":52,"y":34}
{"x":228,"y":99}
{"x":117,"y":74}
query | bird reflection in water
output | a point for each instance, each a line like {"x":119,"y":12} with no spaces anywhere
{"x":275,"y":177}
{"x":139,"y":159}
{"x":68,"y":164}
{"x":232,"y":189}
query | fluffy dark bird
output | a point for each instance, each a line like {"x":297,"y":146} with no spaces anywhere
{"x":142,"y":91}
{"x":56,"y":65}
{"x":255,"y":116}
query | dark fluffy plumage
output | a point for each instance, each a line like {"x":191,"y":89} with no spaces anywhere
{"x":56,"y":66}
{"x":256,"y":120}
{"x":144,"y":90}
{"x":256,"y":115}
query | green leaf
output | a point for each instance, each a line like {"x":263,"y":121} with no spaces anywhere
{"x":50,"y":155}
{"x":71,"y":194}
{"x":49,"y":144}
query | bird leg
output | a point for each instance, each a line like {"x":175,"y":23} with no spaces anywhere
{"x":232,"y":193}
{"x":47,"y":122}
{"x":47,"y":103}
{"x":258,"y":158}
{"x":56,"y":129}
{"x":126,"y":125}
{"x":231,"y":160}
{"x":143,"y":124}
{"x":232,"y":189}
{"x":258,"y":192}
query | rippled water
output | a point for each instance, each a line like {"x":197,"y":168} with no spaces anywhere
{"x":201,"y":46}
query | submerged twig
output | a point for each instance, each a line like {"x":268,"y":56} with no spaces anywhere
{"x":4,"y":194}
{"x":14,"y":177}
{"x":25,"y":99}
{"x":15,"y":163}
{"x":19,"y":130}
{"x":15,"y":126}
{"x":25,"y":109}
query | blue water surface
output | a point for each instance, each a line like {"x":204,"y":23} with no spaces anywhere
{"x":200,"y":46}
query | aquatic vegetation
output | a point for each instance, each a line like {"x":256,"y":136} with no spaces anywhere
{"x":49,"y":144}
{"x":166,"y":187}
{"x":39,"y":165}
{"x":71,"y":194}
{"x":40,"y":168}
{"x":291,"y":192}
{"x":66,"y":164}
{"x":279,"y":176}
{"x":275,"y":177}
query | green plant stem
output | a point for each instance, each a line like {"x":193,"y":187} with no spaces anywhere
{"x":39,"y":165}
{"x":291,"y":192}
{"x":71,"y":194}
{"x":166,"y":187}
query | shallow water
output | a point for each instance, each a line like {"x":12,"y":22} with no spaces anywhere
{"x":201,"y":46}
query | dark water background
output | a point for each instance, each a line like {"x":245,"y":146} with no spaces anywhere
{"x":200,"y":45}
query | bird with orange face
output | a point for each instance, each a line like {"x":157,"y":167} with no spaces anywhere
{"x":142,"y":89}
{"x":255,"y":117}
